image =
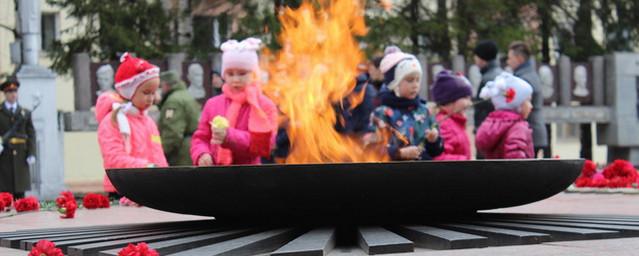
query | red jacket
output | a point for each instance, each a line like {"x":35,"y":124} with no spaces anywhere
{"x":505,"y":135}
{"x":453,"y":133}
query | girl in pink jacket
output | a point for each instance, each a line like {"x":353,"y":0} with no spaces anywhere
{"x":505,"y":133}
{"x":452,"y":93}
{"x":127,"y":136}
{"x":252,"y":117}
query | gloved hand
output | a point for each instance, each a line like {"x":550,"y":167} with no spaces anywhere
{"x":31,"y":160}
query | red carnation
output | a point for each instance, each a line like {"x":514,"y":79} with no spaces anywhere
{"x":68,"y":209}
{"x":583,"y":182}
{"x":104,"y":202}
{"x":588,"y":172}
{"x":141,"y":249}
{"x":621,"y":173}
{"x":599,"y":183}
{"x":589,"y":169}
{"x":7,"y":198}
{"x":64,"y":197}
{"x":93,"y":201}
{"x":60,"y":201}
{"x":27,"y":204}
{"x":510,"y":95}
{"x":45,"y":248}
{"x":2,"y":206}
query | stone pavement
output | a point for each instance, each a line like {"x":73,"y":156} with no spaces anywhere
{"x":97,"y":217}
{"x":83,"y":218}
{"x":564,"y":203}
{"x":579,"y":203}
{"x":616,"y":247}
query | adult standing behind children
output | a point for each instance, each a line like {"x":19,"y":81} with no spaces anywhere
{"x":485,"y":57}
{"x":520,"y":62}
{"x":452,"y":93}
{"x":128,"y":137}
{"x":505,"y":133}
{"x":179,"y":114}
{"x":251,"y":116}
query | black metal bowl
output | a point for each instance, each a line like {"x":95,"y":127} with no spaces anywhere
{"x":386,"y":191}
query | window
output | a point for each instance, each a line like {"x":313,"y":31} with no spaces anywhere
{"x":49,"y":31}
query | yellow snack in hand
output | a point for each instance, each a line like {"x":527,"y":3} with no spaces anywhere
{"x":220,"y":122}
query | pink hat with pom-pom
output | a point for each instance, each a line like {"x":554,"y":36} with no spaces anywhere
{"x":392,"y":56}
{"x":242,"y":55}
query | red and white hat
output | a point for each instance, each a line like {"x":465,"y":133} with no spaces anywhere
{"x":132,"y":73}
{"x":507,"y":91}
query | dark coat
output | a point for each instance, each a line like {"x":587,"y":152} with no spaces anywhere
{"x":354,"y":121}
{"x":536,"y":119}
{"x":350,"y":121}
{"x":412,"y":119}
{"x":14,"y":170}
{"x":482,"y":109}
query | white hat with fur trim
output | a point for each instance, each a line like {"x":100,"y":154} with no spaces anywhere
{"x":507,"y":91}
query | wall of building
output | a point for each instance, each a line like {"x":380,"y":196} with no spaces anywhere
{"x":82,"y":160}
{"x":7,"y":18}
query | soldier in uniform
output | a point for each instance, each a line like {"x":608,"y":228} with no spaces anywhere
{"x":17,"y":145}
{"x":179,"y":115}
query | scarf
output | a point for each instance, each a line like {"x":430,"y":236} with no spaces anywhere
{"x":390,"y":99}
{"x":260,"y":126}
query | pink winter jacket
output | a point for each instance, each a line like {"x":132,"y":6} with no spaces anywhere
{"x":146,"y":145}
{"x":453,"y":133}
{"x":237,"y":138}
{"x":505,"y":135}
{"x":104,"y":104}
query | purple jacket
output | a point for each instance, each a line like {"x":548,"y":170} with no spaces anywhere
{"x":505,"y":135}
{"x":453,"y":132}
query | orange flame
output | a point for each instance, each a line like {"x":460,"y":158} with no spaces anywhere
{"x":315,"y":70}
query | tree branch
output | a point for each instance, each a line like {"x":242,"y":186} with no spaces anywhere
{"x":13,"y":30}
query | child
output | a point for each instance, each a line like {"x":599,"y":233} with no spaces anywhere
{"x":403,"y":113}
{"x":392,"y":56}
{"x":452,"y":93}
{"x":128,"y":137}
{"x":252,"y":117}
{"x":505,"y":132}
{"x":354,"y":120}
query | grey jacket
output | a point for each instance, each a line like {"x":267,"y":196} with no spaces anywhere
{"x":483,"y":108}
{"x":536,"y":120}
